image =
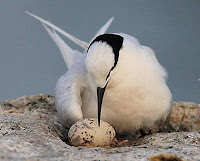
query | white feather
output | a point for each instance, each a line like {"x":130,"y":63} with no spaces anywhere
{"x":70,"y":56}
{"x":104,"y":28}
{"x":136,"y":96}
{"x":69,"y":90}
{"x":82,"y":44}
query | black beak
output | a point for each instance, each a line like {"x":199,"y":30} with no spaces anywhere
{"x":100,"y":93}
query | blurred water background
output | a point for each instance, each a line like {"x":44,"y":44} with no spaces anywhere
{"x":30,"y":62}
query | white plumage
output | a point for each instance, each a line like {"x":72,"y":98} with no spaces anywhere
{"x":136,"y":95}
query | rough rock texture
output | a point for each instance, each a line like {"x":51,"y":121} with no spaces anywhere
{"x":185,"y":117}
{"x":29,"y":130}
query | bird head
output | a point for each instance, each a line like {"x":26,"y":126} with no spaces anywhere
{"x":101,"y":60}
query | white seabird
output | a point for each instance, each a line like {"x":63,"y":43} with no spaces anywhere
{"x":117,"y":74}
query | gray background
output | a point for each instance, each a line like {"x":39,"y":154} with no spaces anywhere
{"x":30,"y":62}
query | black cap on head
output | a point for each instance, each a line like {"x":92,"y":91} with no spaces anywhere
{"x":115,"y":41}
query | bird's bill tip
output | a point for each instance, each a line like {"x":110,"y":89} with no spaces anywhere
{"x":100,"y":93}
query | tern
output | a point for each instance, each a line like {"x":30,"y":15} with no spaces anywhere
{"x":115,"y":79}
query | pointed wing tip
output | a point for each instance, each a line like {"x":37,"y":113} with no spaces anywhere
{"x":82,"y":44}
{"x":34,"y":16}
{"x":111,"y":19}
{"x":27,"y":12}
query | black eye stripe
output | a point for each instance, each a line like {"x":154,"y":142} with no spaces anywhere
{"x":115,"y":41}
{"x":109,"y":72}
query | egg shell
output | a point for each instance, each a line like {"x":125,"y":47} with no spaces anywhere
{"x":86,"y":132}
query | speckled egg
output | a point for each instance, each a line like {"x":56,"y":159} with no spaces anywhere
{"x":86,"y":132}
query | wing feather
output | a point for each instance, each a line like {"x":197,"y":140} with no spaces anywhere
{"x":82,"y":44}
{"x":69,"y":91}
{"x":69,"y":55}
{"x":104,"y":28}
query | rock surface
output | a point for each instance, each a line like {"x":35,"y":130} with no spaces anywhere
{"x":29,"y":130}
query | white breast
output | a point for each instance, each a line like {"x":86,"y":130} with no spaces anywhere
{"x":137,"y":95}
